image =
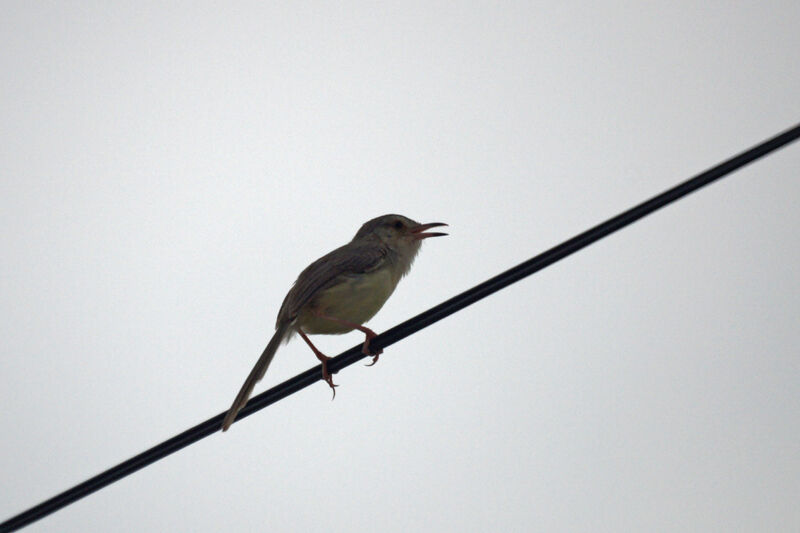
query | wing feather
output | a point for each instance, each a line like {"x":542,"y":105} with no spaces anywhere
{"x":350,"y":259}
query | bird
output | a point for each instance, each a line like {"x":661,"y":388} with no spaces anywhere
{"x":341,"y":291}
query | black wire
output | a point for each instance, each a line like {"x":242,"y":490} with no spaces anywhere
{"x":401,"y":331}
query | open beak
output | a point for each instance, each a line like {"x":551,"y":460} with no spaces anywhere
{"x":418,"y":234}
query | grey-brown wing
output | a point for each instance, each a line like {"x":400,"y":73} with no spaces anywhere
{"x":346,"y":260}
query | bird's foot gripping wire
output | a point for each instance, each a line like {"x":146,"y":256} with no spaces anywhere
{"x":366,"y":350}
{"x":327,"y":375}
{"x":322,"y":359}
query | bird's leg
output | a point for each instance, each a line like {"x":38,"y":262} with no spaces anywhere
{"x":323,"y":359}
{"x":363,"y":329}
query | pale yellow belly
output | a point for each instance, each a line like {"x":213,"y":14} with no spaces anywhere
{"x":356,"y":299}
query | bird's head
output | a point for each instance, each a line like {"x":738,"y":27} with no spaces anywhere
{"x":399,"y":233}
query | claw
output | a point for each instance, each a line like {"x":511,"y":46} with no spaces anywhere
{"x":367,"y":351}
{"x":333,"y":388}
{"x":328,"y":378}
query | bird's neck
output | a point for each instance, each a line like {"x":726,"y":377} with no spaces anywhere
{"x":400,"y":261}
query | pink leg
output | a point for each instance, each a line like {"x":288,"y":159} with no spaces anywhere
{"x":363,"y":329}
{"x":323,"y":359}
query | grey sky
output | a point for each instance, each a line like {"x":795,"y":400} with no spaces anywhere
{"x":165,"y":173}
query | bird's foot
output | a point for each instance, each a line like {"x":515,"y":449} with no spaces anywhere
{"x":366,"y":350}
{"x":328,"y":377}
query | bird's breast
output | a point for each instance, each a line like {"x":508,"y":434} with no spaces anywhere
{"x":355,"y":298}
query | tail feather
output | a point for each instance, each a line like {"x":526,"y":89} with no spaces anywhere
{"x":255,"y":376}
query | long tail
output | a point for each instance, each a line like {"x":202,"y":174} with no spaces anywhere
{"x":255,"y":375}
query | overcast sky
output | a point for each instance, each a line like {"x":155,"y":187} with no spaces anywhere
{"x":166,"y":172}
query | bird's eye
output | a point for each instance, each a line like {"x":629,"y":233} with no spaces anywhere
{"x":398,"y":225}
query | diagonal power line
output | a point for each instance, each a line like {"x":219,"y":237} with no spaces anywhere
{"x":401,"y":331}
